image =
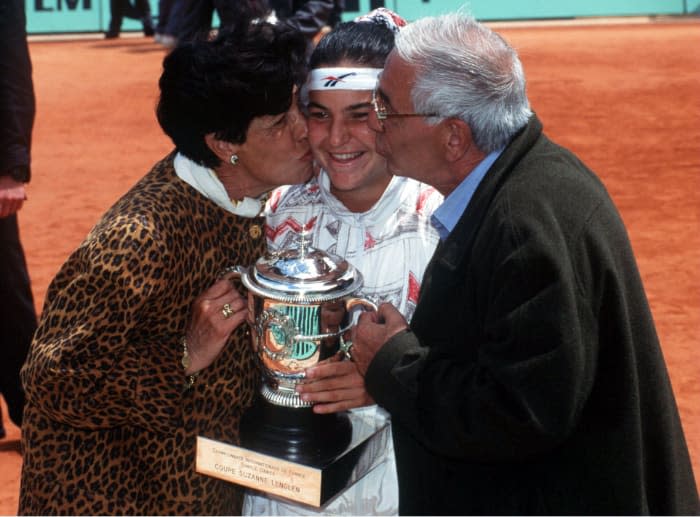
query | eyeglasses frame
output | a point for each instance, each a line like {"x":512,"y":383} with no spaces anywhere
{"x":383,"y":115}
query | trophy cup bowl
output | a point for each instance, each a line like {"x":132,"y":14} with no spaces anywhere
{"x":301,"y":310}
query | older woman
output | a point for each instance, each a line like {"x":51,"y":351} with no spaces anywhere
{"x":123,"y":374}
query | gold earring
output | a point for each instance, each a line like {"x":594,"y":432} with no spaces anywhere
{"x":234,"y":159}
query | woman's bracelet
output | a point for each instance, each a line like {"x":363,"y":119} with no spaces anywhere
{"x":186,"y":362}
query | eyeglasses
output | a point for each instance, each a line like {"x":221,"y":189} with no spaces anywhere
{"x":382,"y":112}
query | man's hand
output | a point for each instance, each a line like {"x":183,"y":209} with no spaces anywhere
{"x":334,"y":385}
{"x":372,"y":331}
{"x":12,"y":195}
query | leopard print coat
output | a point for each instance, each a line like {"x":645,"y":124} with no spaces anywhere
{"x":108,"y":426}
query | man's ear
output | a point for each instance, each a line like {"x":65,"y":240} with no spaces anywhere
{"x":221,"y":148}
{"x":458,"y":139}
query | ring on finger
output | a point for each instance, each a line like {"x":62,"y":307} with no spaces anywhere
{"x":226,"y":311}
{"x":348,"y":352}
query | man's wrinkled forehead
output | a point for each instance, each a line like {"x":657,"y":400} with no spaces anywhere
{"x":396,"y":79}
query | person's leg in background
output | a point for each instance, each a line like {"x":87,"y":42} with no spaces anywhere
{"x":17,"y":316}
{"x":119,"y":9}
{"x":143,"y":13}
{"x":195,"y":19}
{"x":175,"y":20}
{"x":165,"y":8}
{"x":116,"y":16}
{"x":336,"y":16}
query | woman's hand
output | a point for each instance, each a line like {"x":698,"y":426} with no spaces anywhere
{"x":216,"y":313}
{"x":334,"y":385}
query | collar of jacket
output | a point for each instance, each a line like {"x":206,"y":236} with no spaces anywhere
{"x":452,"y":251}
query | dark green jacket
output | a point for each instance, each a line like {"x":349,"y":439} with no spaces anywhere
{"x":532,"y":380}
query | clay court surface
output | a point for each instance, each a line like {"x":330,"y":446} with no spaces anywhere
{"x":624,"y":96}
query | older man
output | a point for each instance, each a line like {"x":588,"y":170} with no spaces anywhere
{"x":530,"y":380}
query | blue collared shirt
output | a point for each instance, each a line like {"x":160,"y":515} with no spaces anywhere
{"x":445,"y":218}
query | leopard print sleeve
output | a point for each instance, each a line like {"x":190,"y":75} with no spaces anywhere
{"x":92,"y":364}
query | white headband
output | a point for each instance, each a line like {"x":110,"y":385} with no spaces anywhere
{"x":343,"y":78}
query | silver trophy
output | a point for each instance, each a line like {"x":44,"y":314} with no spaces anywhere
{"x":301,"y":310}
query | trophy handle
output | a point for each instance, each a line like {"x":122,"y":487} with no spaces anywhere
{"x":232,"y":272}
{"x":352,"y":304}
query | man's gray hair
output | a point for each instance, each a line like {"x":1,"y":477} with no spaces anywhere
{"x":467,"y":71}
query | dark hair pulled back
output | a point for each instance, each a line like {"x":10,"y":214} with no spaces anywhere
{"x":365,"y":43}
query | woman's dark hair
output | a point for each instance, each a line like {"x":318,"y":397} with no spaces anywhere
{"x":218,"y":86}
{"x":364,"y":43}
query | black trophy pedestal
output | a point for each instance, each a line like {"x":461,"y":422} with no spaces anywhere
{"x":295,"y":454}
{"x":295,"y":434}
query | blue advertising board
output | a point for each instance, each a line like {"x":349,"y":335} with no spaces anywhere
{"x":66,"y":16}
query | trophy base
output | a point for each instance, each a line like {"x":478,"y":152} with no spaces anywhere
{"x":308,"y":468}
{"x":295,"y":434}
